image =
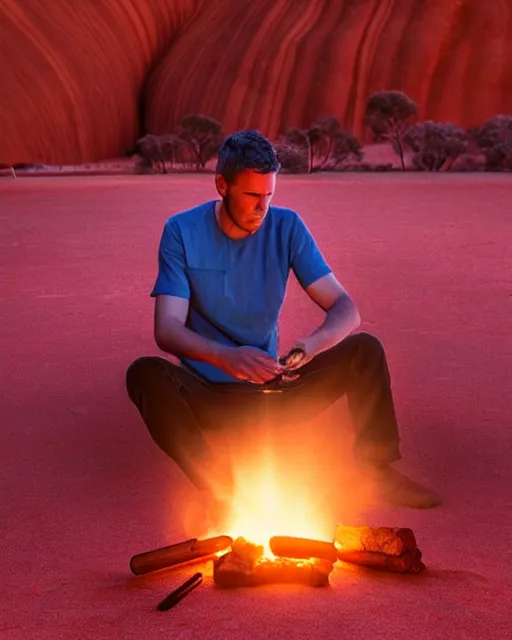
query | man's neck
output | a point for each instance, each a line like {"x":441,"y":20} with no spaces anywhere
{"x":226,"y":224}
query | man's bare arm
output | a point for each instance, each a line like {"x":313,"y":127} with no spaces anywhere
{"x":172,"y":336}
{"x":342,"y":316}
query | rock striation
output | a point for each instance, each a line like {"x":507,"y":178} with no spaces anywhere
{"x":81,"y":80}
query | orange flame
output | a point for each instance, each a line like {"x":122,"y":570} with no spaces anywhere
{"x":276,"y":497}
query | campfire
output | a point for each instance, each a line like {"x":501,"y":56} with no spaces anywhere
{"x":260,"y":551}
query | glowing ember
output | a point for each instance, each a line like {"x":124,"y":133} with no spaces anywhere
{"x":244,"y":566}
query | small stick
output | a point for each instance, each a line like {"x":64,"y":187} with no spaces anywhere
{"x":178,"y":594}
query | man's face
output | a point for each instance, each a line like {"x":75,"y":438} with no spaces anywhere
{"x":248,"y":198}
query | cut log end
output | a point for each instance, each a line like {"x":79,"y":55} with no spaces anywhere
{"x":388,"y":540}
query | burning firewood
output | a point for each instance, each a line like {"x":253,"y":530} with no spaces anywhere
{"x":289,"y":547}
{"x":388,"y":540}
{"x":180,"y":553}
{"x":246,"y":566}
{"x":408,"y":562}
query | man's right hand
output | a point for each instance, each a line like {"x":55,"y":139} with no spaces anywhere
{"x":250,"y":364}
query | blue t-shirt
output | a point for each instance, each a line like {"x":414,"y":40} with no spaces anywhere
{"x":236,"y":288}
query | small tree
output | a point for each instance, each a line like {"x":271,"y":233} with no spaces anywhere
{"x":325,"y":133}
{"x":172,"y":149}
{"x":324,"y":141}
{"x":292,"y":158}
{"x":389,"y":115}
{"x":435,"y":145}
{"x":302,"y":142}
{"x":346,"y":148}
{"x":203,"y":135}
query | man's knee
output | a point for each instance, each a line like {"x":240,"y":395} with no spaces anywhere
{"x":368,"y":343}
{"x":141,"y":371}
{"x":363,"y":342}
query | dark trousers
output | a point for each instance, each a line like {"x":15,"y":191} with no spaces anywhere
{"x":178,"y":406}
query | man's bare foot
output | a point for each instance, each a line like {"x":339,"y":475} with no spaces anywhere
{"x":394,"y":487}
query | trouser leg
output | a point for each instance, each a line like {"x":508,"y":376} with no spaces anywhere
{"x":358,"y":368}
{"x":174,"y":405}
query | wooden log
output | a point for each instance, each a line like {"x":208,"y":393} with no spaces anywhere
{"x":291,"y":547}
{"x":245,"y":566}
{"x":388,"y":540}
{"x":180,"y":553}
{"x":408,"y":562}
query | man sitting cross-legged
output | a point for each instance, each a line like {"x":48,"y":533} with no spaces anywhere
{"x":223,"y":270}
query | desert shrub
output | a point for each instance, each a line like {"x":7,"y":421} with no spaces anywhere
{"x":197,"y":141}
{"x":496,"y":130}
{"x":499,"y":157}
{"x":494,"y":138}
{"x":468,"y":162}
{"x":149,"y":150}
{"x":435,"y":145}
{"x":389,"y":115}
{"x":388,"y":166}
{"x":357,"y":166}
{"x":143,"y":165}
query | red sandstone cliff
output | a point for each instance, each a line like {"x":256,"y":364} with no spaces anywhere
{"x":75,"y":78}
{"x":71,"y":73}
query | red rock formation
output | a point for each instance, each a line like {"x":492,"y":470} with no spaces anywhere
{"x":71,"y":74}
{"x":74,"y":73}
{"x":278,"y":63}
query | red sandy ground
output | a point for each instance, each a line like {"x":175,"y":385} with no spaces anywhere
{"x":83,"y":487}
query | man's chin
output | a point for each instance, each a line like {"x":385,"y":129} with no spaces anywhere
{"x":252,"y":227}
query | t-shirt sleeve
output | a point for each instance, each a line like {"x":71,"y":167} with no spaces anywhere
{"x":171,"y":279}
{"x":307,"y":261}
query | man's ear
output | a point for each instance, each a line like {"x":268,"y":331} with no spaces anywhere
{"x":221,"y":184}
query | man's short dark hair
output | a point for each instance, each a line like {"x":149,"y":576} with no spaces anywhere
{"x":244,"y":150}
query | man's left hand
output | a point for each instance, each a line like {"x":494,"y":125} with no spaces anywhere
{"x":300,"y":354}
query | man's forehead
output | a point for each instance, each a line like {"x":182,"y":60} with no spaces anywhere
{"x":254,"y":182}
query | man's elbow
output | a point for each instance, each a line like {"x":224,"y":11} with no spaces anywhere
{"x":356,"y":316}
{"x":164,"y":338}
{"x":348,"y":308}
{"x":159,"y":339}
